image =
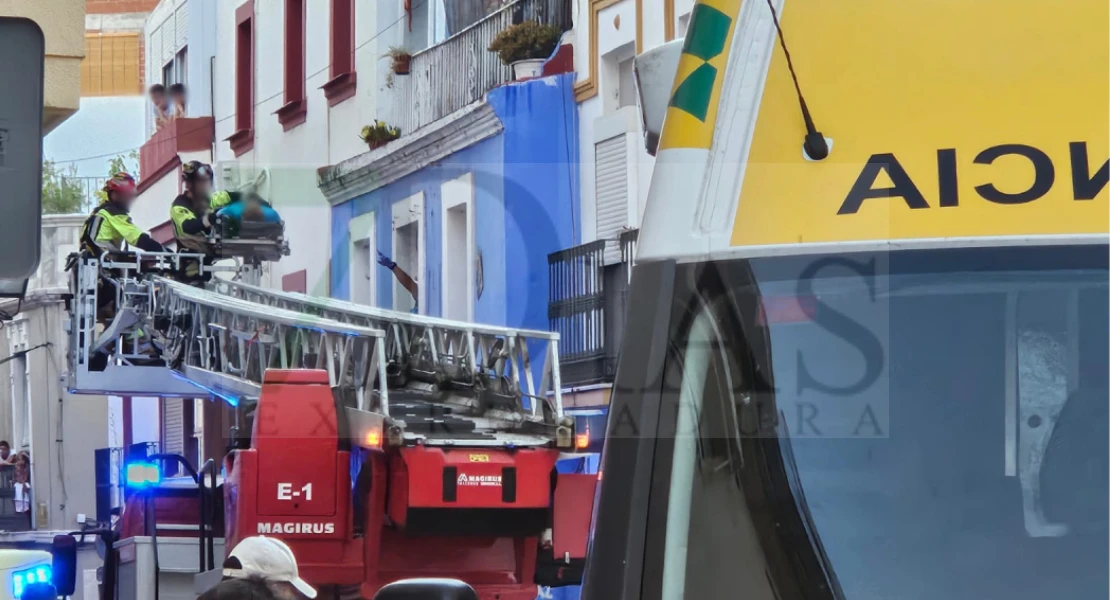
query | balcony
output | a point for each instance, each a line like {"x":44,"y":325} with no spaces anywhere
{"x":10,"y":520}
{"x":586,"y":305}
{"x":159,"y":154}
{"x":459,"y":71}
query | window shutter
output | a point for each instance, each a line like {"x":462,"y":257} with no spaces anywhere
{"x":169,"y":40}
{"x":611,"y":192}
{"x":173,"y":426}
{"x":111,"y":65}
{"x":182,"y":25}
{"x":154,"y":55}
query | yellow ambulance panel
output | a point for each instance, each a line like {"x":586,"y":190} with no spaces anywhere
{"x":949,"y":118}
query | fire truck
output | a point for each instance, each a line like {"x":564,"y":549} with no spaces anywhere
{"x":380,"y":445}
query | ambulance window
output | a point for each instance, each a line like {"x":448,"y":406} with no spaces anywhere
{"x":709,"y":526}
{"x":915,"y":425}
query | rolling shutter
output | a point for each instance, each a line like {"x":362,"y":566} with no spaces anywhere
{"x":169,"y":41}
{"x":154,"y":55}
{"x":182,"y":25}
{"x":173,"y":426}
{"x":611,"y":192}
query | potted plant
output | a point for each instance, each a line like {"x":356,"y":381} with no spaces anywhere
{"x":401,"y":59}
{"x":379,"y":134}
{"x":525,"y":46}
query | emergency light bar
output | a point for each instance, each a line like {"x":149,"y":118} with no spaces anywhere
{"x":143,"y":474}
{"x":26,"y":577}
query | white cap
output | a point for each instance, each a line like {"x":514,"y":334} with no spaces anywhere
{"x":269,"y":558}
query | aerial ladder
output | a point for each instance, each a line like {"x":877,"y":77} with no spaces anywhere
{"x":380,"y":445}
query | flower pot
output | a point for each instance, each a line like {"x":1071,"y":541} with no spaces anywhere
{"x":375,"y":144}
{"x":526,"y":69}
{"x":401,"y":64}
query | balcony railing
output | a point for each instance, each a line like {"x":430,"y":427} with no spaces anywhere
{"x":10,"y":520}
{"x":86,"y":188}
{"x":459,"y":71}
{"x":586,"y":306}
{"x":179,"y":135}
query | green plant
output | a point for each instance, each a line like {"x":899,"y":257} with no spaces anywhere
{"x":524,"y":41}
{"x":379,"y":134}
{"x":396,"y":52}
{"x":401,"y":59}
{"x":120,"y":164}
{"x":62,"y":192}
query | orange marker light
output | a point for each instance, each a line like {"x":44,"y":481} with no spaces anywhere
{"x":582,"y":440}
{"x":374,"y":438}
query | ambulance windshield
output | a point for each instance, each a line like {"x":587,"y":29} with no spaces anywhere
{"x":914,"y":425}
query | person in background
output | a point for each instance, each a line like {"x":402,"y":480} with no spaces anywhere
{"x":6,"y":456}
{"x":22,"y":483}
{"x":252,"y":588}
{"x":160,"y":104}
{"x":177,"y":101}
{"x":404,"y":279}
{"x":269,"y":561}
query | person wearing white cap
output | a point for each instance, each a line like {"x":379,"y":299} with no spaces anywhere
{"x":270,"y":559}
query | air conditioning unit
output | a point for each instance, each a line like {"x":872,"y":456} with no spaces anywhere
{"x":234,"y":177}
{"x":228,"y":175}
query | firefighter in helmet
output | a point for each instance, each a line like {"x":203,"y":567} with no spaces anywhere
{"x":109,"y":226}
{"x":193,"y":213}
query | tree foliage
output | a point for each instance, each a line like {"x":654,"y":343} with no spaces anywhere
{"x":62,"y":192}
{"x":121,"y":164}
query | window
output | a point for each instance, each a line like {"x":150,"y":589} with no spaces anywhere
{"x":408,"y":253}
{"x":847,"y":423}
{"x":626,"y":90}
{"x":364,"y":260}
{"x":342,"y":82}
{"x":181,"y":66}
{"x":242,"y":140}
{"x":168,"y":77}
{"x":293,"y":111}
{"x":458,"y":248}
{"x":111,"y":66}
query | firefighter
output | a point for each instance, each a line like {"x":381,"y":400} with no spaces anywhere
{"x":109,"y":226}
{"x":108,"y":229}
{"x":192,"y":214}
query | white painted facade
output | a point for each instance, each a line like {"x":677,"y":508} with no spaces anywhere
{"x":60,"y":430}
{"x":611,"y":117}
{"x":329,"y":135}
{"x":180,"y":48}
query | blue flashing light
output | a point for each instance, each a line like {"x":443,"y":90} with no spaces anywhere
{"x":26,"y":577}
{"x":143,"y":474}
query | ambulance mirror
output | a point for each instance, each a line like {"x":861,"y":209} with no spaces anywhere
{"x":21,"y":97}
{"x":654,"y":72}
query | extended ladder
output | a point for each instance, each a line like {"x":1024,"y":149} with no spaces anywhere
{"x":438,"y":381}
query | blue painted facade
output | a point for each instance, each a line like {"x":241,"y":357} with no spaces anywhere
{"x":526,"y":198}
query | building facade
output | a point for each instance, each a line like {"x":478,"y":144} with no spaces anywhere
{"x":59,"y":431}
{"x":63,"y":25}
{"x":109,"y":127}
{"x":590,"y":281}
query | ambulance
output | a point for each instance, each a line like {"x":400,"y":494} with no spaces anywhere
{"x":866,"y":350}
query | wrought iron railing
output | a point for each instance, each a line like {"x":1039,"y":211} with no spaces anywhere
{"x":10,"y":518}
{"x":586,"y":306}
{"x":86,"y":188}
{"x":459,"y":71}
